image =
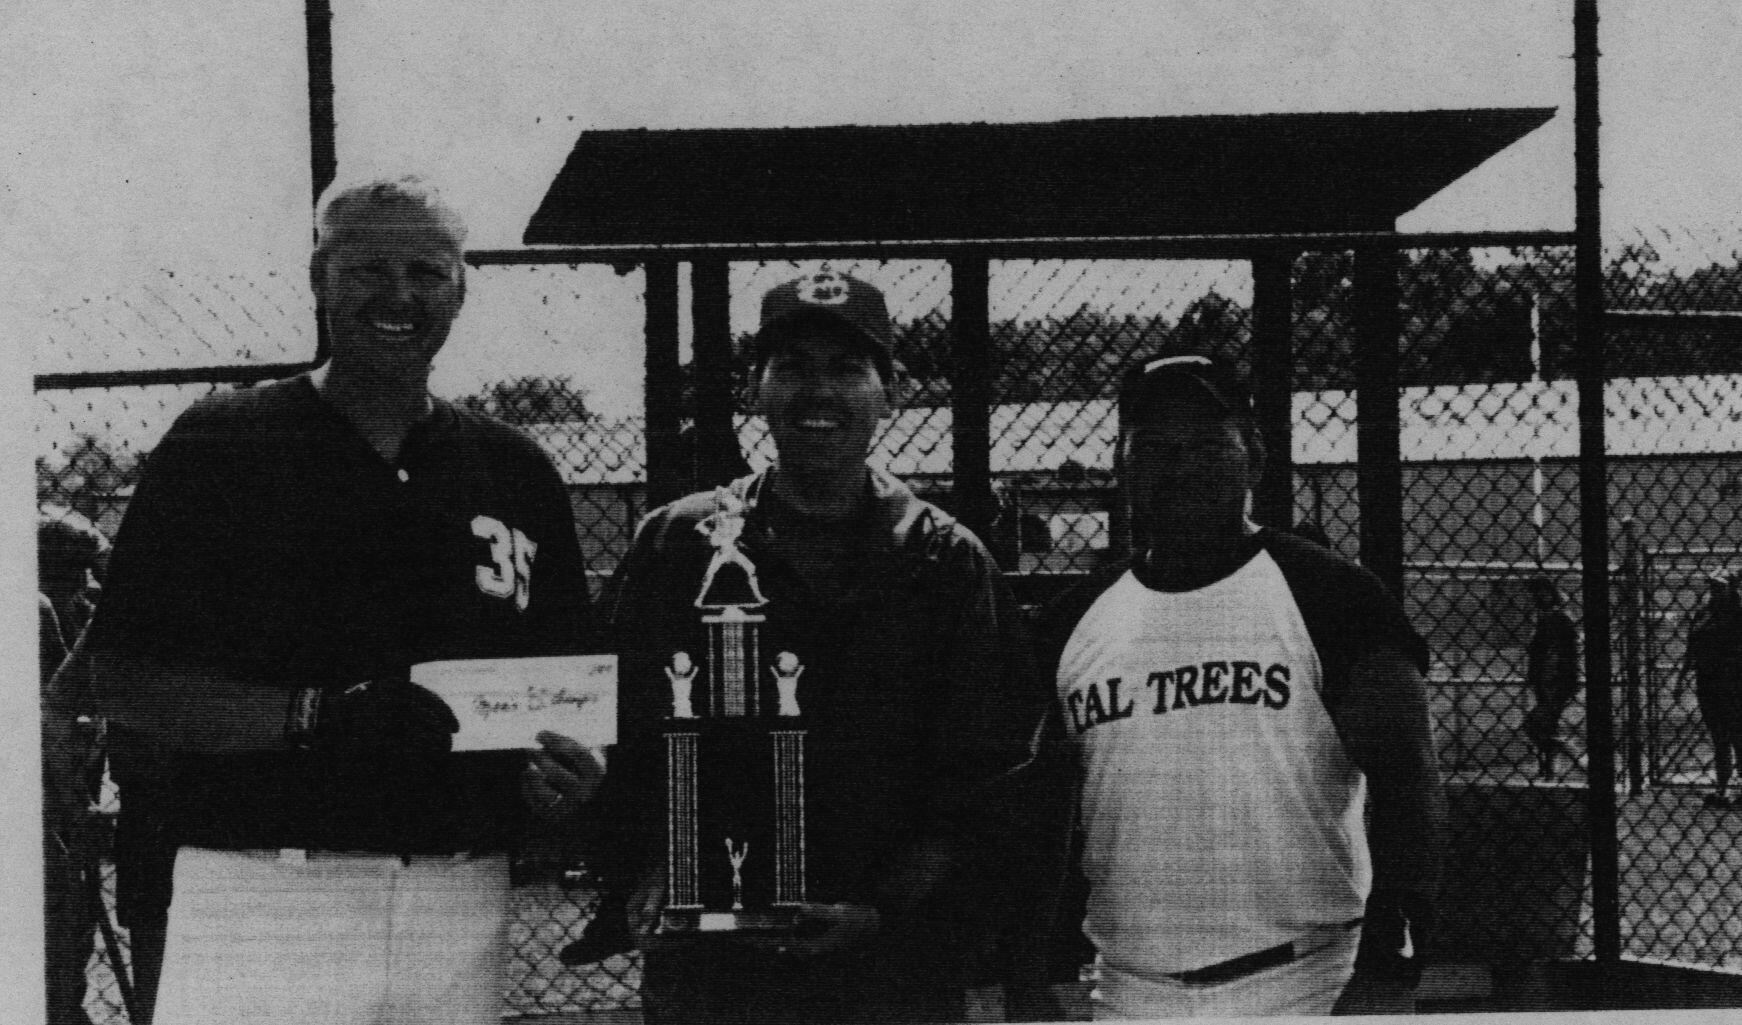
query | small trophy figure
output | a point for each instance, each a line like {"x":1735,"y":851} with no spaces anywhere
{"x":736,"y":857}
{"x":682,"y":674}
{"x":723,"y":529}
{"x":787,"y":670}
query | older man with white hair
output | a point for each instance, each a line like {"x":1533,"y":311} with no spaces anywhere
{"x":290,"y":552}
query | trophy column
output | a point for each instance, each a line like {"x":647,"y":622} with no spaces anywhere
{"x":789,"y":816}
{"x":735,"y":761}
{"x":680,"y":770}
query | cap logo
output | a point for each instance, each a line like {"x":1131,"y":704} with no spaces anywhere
{"x":825,"y":288}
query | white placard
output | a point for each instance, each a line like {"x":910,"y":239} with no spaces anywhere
{"x":503,"y":703}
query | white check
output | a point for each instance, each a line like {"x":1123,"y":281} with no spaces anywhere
{"x":504,"y":703}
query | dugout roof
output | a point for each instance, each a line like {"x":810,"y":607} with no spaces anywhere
{"x":1101,"y":178}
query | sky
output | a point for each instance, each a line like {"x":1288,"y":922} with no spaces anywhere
{"x":156,"y":154}
{"x":171,"y":138}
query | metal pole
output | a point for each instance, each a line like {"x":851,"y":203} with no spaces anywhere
{"x":323,"y":149}
{"x":1379,"y":445}
{"x":1272,"y":384}
{"x":717,"y":459}
{"x":323,"y":154}
{"x":1594,"y":487}
{"x":1654,"y":683}
{"x":1631,"y":648}
{"x":1537,"y":518}
{"x":971,"y":392}
{"x":666,"y":479}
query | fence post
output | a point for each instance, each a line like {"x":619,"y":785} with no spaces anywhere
{"x":323,"y":153}
{"x":717,"y":457}
{"x":1379,"y":456}
{"x":971,"y":392}
{"x":665,"y":469}
{"x":1631,"y":650}
{"x":1272,"y":384}
{"x":322,"y":145}
{"x":1594,"y":487}
{"x":1648,"y":655}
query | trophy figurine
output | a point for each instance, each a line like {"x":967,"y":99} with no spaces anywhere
{"x":682,"y":674}
{"x":734,"y":758}
{"x":736,"y":857}
{"x":786,"y":672}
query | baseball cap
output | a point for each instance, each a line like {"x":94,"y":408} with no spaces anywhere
{"x":1161,"y":382}
{"x":827,"y":296}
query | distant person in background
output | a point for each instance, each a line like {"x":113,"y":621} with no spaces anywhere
{"x":1715,"y":660}
{"x":1551,"y":674}
{"x":72,"y":554}
{"x":69,"y":553}
{"x":1015,"y":531}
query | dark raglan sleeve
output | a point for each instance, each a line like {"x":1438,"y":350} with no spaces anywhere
{"x":1374,"y":663}
{"x":1347,"y":610}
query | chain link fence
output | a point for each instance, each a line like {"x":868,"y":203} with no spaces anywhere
{"x":1489,"y":435}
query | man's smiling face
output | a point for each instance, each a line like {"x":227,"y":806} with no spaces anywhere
{"x":391,"y":281}
{"x":824,"y":398}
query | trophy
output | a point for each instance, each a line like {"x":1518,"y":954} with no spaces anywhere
{"x":734,"y":745}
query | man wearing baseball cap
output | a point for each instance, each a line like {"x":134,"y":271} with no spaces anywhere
{"x":1233,"y":693}
{"x":919,"y":693}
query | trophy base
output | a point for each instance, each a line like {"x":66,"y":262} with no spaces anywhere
{"x":687,"y":921}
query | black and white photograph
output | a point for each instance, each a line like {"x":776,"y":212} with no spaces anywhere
{"x":574,"y":513}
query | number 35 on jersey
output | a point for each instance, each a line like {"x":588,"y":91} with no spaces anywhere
{"x":509,"y":571}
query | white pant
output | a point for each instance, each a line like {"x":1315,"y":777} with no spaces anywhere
{"x":256,"y":936}
{"x":1310,"y":984}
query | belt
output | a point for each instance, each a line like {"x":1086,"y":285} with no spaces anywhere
{"x":303,"y":855}
{"x":1249,"y":964}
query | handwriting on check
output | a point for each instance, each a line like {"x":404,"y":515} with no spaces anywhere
{"x":536,"y":699}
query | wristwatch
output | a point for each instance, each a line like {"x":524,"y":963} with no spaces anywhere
{"x":302,"y":717}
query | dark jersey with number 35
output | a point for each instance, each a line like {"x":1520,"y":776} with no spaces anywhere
{"x":269,"y":537}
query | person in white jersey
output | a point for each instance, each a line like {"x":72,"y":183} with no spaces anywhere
{"x":1235,"y":696}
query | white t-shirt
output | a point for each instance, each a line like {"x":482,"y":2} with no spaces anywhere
{"x":1221,"y":812}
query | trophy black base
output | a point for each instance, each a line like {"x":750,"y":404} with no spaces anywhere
{"x":696,"y":921}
